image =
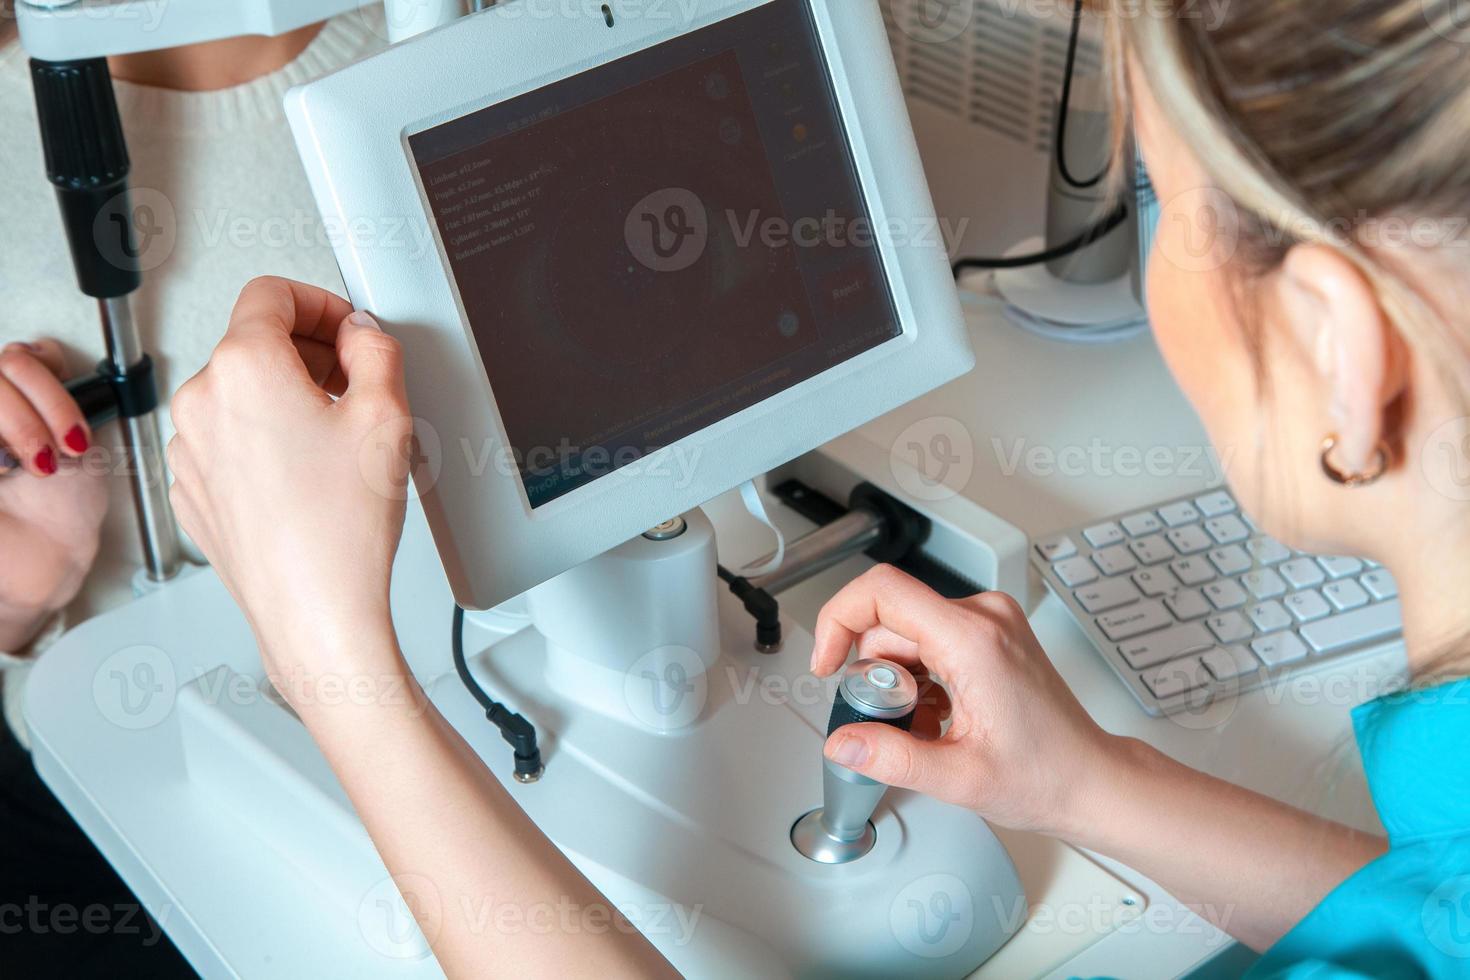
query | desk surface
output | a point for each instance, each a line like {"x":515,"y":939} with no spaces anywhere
{"x":1057,"y":435}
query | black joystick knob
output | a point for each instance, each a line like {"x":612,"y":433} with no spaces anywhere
{"x":842,"y":830}
{"x":875,"y":691}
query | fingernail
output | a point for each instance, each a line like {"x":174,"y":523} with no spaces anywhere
{"x":76,"y":440}
{"x":850,"y":752}
{"x":361,"y":318}
{"x":46,"y":461}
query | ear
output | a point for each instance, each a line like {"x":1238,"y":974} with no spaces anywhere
{"x":1352,"y":345}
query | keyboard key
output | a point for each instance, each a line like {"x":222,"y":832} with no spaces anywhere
{"x":1147,"y":522}
{"x":1193,"y":571}
{"x":1190,"y":540}
{"x":1169,"y":644}
{"x":1269,"y":616}
{"x":1228,"y":529}
{"x":1075,"y":571}
{"x":1229,"y":627}
{"x":1263,"y":583}
{"x":1228,"y":663}
{"x":1176,"y":678}
{"x":1115,"y":560}
{"x":1057,"y":548}
{"x":1268,"y":551}
{"x":1303,"y":573}
{"x":1154,"y":582}
{"x":1102,"y":535}
{"x":1345,"y":595}
{"x":1134,"y":620}
{"x":1107,"y":594}
{"x":1188,"y":604}
{"x":1380,"y":584}
{"x":1279,"y":648}
{"x":1341,"y":567}
{"x":1231,"y":560}
{"x":1152,"y":550}
{"x":1307,"y":606}
{"x":1354,"y":628}
{"x":1215,"y":504}
{"x":1176,"y":515}
{"x":1226,"y":594}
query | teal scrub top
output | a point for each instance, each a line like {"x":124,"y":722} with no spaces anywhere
{"x":1406,"y":914}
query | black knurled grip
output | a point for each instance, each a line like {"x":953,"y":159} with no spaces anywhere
{"x":81,"y":133}
{"x":87,"y":160}
{"x":845,"y":714}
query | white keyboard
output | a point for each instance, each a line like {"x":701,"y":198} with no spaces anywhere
{"x":1189,"y":602}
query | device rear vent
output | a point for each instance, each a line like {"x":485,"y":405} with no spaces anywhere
{"x":936,"y":74}
{"x":985,"y":62}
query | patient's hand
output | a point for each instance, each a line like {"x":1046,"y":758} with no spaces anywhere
{"x":51,"y":510}
{"x":1020,"y":750}
{"x":296,"y":498}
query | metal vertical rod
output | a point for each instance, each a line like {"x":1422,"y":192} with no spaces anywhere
{"x":86,"y":159}
{"x":143,"y":443}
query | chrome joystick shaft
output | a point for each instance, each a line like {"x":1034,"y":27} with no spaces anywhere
{"x":842,"y":830}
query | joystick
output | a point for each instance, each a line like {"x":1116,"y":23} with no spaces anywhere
{"x":842,"y":830}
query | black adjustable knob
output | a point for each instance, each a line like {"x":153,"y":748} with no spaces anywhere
{"x":842,"y":830}
{"x":87,"y":161}
{"x":875,"y":691}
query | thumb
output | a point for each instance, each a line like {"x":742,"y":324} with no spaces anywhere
{"x":890,"y":756}
{"x":371,"y":361}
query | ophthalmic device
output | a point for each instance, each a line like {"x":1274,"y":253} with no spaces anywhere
{"x":671,"y":255}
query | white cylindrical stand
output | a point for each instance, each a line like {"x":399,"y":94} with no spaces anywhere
{"x":632,"y":632}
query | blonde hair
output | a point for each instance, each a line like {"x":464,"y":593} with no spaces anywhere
{"x":1322,"y":121}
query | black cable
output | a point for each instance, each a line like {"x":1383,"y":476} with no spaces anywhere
{"x":1065,"y":107}
{"x":1083,"y":240}
{"x":761,"y":605}
{"x":1098,"y":230}
{"x":514,"y":728}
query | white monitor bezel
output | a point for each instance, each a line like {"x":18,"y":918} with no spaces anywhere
{"x":352,"y":129}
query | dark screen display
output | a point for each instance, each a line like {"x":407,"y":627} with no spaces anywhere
{"x":650,"y":247}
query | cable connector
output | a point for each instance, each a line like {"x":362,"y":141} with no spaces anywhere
{"x":763,"y":608}
{"x":520,"y":735}
{"x":517,"y":730}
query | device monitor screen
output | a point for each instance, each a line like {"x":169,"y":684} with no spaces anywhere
{"x":647,"y":248}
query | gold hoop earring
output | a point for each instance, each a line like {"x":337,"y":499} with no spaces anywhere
{"x":1353,"y":481}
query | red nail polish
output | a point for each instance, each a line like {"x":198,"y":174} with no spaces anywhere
{"x":46,"y":461}
{"x":76,"y":440}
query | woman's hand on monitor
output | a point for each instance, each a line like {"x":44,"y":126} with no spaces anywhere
{"x":291,"y":471}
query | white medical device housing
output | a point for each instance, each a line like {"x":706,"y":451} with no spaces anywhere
{"x":634,"y":260}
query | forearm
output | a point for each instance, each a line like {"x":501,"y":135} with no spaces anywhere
{"x":508,"y":900}
{"x":1251,"y":865}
